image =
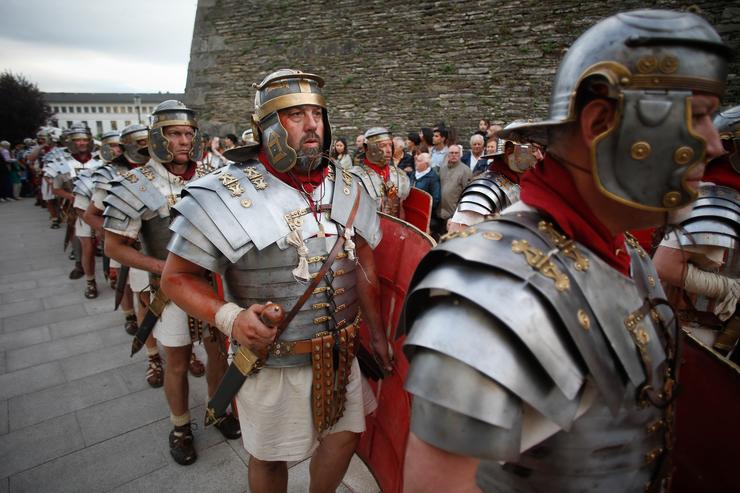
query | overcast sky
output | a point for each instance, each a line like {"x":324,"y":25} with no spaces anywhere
{"x":98,"y":45}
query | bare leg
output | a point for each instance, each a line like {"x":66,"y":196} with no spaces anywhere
{"x":176,"y":378}
{"x":267,"y":477}
{"x":127,"y":302}
{"x":216,"y":364}
{"x":331,"y":460}
{"x":88,"y":256}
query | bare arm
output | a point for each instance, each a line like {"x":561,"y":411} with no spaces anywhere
{"x":94,"y":217}
{"x":60,"y":192}
{"x":186,"y":284}
{"x":428,"y":468}
{"x":368,"y":292}
{"x":671,"y":265}
{"x":121,"y":248}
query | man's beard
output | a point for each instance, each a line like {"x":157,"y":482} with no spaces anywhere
{"x":308,"y":158}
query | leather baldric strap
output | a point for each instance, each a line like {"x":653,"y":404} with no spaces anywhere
{"x":316,"y":278}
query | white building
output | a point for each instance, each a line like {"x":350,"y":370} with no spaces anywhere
{"x":103,"y":112}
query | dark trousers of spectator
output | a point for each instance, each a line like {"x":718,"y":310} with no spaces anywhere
{"x":6,"y":187}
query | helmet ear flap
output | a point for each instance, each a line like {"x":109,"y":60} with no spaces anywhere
{"x":256,"y":131}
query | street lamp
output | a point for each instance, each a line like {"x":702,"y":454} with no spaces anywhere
{"x":137,"y":102}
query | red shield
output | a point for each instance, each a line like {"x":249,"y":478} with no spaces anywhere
{"x":417,"y":209}
{"x":383,"y":444}
{"x":707,"y":430}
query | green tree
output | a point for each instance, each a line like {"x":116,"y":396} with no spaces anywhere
{"x":22,"y":107}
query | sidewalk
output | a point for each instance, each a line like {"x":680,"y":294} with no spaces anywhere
{"x":75,"y":411}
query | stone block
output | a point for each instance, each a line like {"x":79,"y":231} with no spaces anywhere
{"x":16,"y":286}
{"x":54,"y":350}
{"x":359,"y":478}
{"x":38,"y":318}
{"x":24,"y":338}
{"x":70,"y":296}
{"x":29,"y":409}
{"x":19,"y":308}
{"x":31,"y":380}
{"x":218,"y":468}
{"x":102,"y":467}
{"x":24,"y":449}
{"x":103,"y":304}
{"x":121,"y":415}
{"x":106,"y":358}
{"x":4,"y":417}
{"x":84,"y":323}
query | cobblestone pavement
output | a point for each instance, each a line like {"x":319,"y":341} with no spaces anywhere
{"x":75,"y":411}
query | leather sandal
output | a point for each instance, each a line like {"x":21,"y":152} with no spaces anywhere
{"x":196,"y":367}
{"x":130,"y":325}
{"x":181,"y":445}
{"x":77,"y":272}
{"x":229,"y":427}
{"x":155,"y":372}
{"x":91,"y":291}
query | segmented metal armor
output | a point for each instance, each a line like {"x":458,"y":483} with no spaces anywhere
{"x":512,"y":319}
{"x":256,"y":231}
{"x":378,"y":189}
{"x":488,"y":195}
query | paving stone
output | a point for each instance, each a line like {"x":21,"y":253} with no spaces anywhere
{"x":54,"y":350}
{"x":358,"y":477}
{"x":238,"y":447}
{"x":29,"y":409}
{"x":106,"y":358}
{"x":101,"y":467}
{"x":118,"y":416}
{"x":133,"y":375}
{"x":3,"y":416}
{"x":69,"y":296}
{"x":84,"y":323}
{"x":19,"y":308}
{"x":299,"y":479}
{"x":15,"y":267}
{"x":31,"y":380}
{"x":62,"y":281}
{"x":218,"y":469}
{"x":23,"y":338}
{"x":16,"y":286}
{"x":99,"y":305}
{"x":27,"y":448}
{"x":45,"y":317}
{"x":29,"y":275}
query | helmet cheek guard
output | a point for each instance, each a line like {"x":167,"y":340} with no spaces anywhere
{"x":275,"y":142}
{"x":279,"y":90}
{"x":168,"y":114}
{"x":373,"y":152}
{"x":728,"y":125}
{"x":649,"y":129}
{"x":651,"y":62}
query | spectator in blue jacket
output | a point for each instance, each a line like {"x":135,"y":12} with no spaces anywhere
{"x":425,"y":178}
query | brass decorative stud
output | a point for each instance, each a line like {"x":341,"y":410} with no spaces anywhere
{"x":641,"y":335}
{"x":583,"y":319}
{"x":683,"y":155}
{"x":640,"y":150}
{"x":143,"y":188}
{"x":625,"y":81}
{"x":493,"y":235}
{"x":345,"y":190}
{"x":647,"y":64}
{"x":668,"y":65}
{"x":246,"y":203}
{"x":672,"y":199}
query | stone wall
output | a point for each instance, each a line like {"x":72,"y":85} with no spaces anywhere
{"x":402,"y":64}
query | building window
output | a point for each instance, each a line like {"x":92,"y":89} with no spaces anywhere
{"x":56,"y":109}
{"x":54,"y":122}
{"x":99,"y":126}
{"x":107,"y":109}
{"x":69,"y":123}
{"x":79,"y":109}
{"x":100,"y":109}
{"x":114,"y":125}
{"x":87,"y":109}
{"x":127,"y":123}
{"x":64,"y":109}
{"x":93,"y":109}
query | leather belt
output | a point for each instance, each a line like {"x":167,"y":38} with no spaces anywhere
{"x":302,"y":346}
